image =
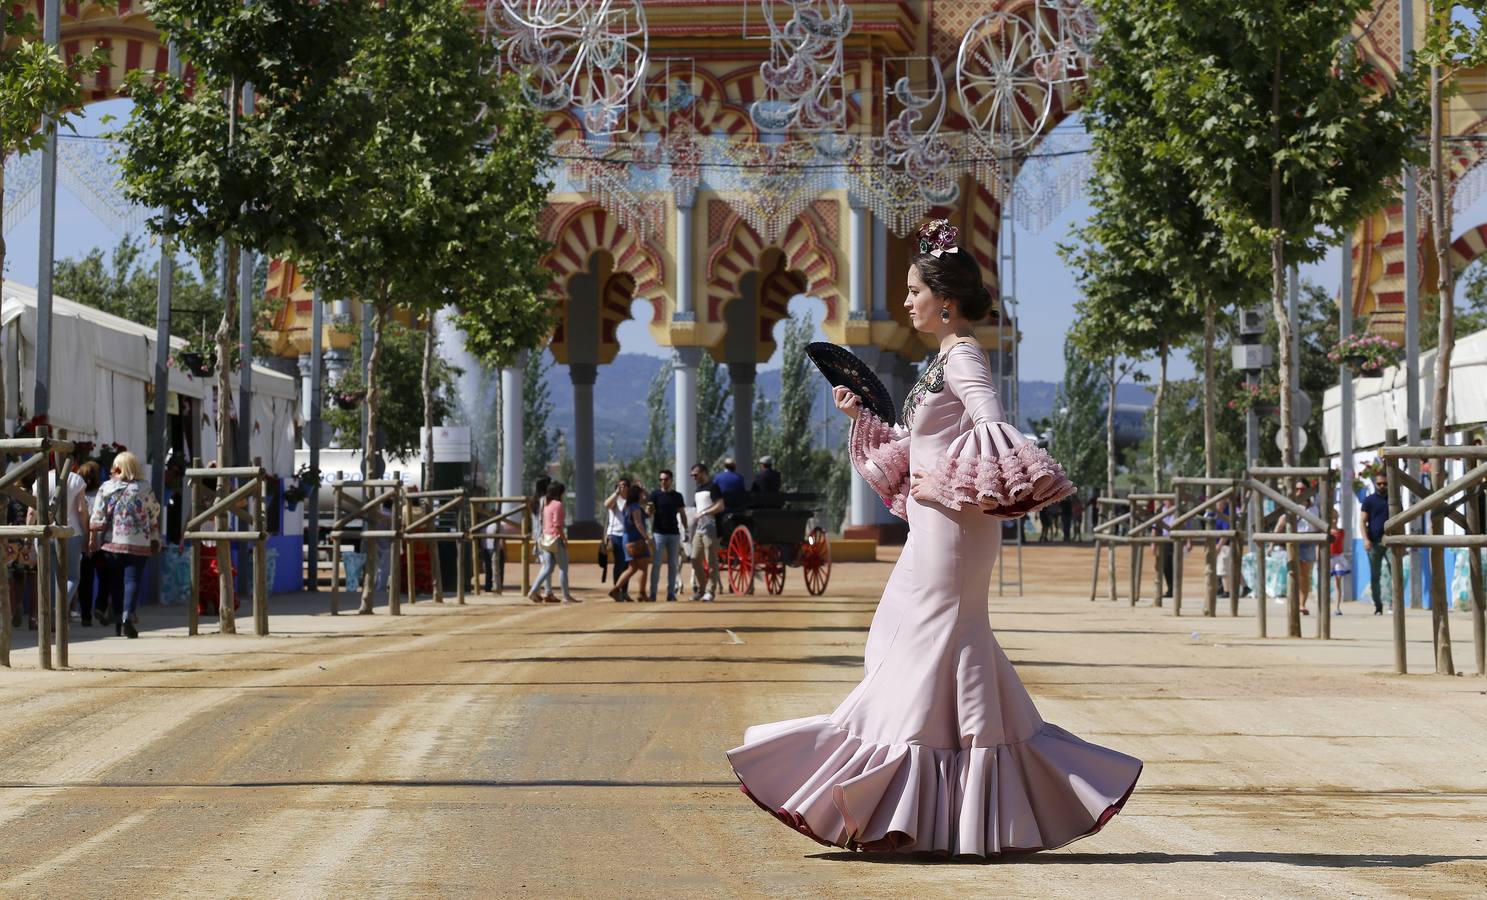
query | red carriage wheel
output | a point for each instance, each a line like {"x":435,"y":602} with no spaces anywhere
{"x":815,"y":561}
{"x":774,"y":568}
{"x":741,"y":559}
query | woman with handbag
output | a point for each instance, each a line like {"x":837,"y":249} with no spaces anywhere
{"x":125,"y":527}
{"x":637,"y":546}
{"x":553,"y":545}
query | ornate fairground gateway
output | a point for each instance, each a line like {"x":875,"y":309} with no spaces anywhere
{"x":717,"y":159}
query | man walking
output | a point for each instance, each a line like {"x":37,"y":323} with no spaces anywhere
{"x":709,"y":500}
{"x":1375,"y":509}
{"x":670,"y":520}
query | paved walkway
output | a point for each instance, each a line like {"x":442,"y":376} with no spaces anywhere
{"x":502,"y":749}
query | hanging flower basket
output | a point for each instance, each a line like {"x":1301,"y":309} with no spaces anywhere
{"x":1367,"y":355}
{"x":1262,"y":399}
{"x":347,"y":399}
{"x":196,"y":363}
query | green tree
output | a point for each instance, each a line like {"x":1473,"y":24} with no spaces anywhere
{"x":540,"y":440}
{"x":219,"y":178}
{"x":1285,"y":136}
{"x":400,"y":380}
{"x":656,"y":452}
{"x":1078,"y":419}
{"x":714,"y":412}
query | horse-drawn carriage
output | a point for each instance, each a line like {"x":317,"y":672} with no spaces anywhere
{"x":764,"y":534}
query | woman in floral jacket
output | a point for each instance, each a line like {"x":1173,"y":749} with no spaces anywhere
{"x":125,"y":526}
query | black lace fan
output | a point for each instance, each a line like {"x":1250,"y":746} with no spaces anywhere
{"x":843,"y":368}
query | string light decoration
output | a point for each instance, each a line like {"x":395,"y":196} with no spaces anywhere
{"x":587,"y":55}
{"x":86,"y":168}
{"x":803,"y":75}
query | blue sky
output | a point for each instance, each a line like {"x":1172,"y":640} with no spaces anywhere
{"x":1045,"y":285}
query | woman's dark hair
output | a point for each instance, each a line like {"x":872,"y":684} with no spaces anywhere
{"x":555,"y":491}
{"x":636,"y":494}
{"x":955,"y":276}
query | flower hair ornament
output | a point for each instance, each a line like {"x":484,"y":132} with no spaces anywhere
{"x":937,"y":237}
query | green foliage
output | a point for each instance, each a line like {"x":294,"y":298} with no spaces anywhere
{"x":657,"y":451}
{"x":122,"y":286}
{"x":1456,"y":41}
{"x":401,"y":383}
{"x":1078,"y":419}
{"x":540,"y":441}
{"x":1471,"y":310}
{"x":714,"y":413}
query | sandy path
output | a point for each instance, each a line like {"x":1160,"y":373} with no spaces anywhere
{"x":504,"y":749}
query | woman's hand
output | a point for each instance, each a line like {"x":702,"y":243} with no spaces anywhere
{"x":846,"y":401}
{"x":919,"y":487}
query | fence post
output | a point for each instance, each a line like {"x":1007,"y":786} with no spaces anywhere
{"x":460,"y":546}
{"x":1258,"y":523}
{"x":260,"y":552}
{"x":408,"y":553}
{"x":193,"y":597}
{"x":335,"y":553}
{"x":1236,"y":550}
{"x":394,"y":600}
{"x":61,"y":610}
{"x":1323,"y":565}
{"x":1396,"y":557}
{"x":1094,"y":581}
{"x":43,"y":564}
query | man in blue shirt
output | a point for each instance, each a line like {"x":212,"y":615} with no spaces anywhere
{"x":1375,"y":512}
{"x":730,"y":483}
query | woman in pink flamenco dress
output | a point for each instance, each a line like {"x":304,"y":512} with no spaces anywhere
{"x":940,"y":749}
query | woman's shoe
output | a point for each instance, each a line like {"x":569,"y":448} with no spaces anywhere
{"x":1306,"y":612}
{"x":129,"y":630}
{"x":571,"y":599}
{"x":86,"y":623}
{"x":550,"y":599}
{"x":535,"y":597}
{"x":616,"y":596}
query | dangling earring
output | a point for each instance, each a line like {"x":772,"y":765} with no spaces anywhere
{"x":945,"y":314}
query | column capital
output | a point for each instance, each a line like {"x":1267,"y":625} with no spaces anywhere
{"x":690,"y":357}
{"x":583,"y":373}
{"x":742,"y":372}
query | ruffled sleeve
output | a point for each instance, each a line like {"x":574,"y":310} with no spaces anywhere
{"x":880,"y":454}
{"x":993,"y":460}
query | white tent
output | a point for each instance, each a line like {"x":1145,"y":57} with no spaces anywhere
{"x":103,"y":373}
{"x":1380,"y":402}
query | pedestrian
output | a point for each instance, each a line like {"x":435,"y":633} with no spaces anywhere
{"x":1225,"y":556}
{"x":709,"y":503}
{"x":637,"y":546}
{"x":731,"y":484}
{"x":76,"y":504}
{"x":535,"y":503}
{"x":553,"y":545}
{"x":1338,"y":560}
{"x":1168,"y":550}
{"x":488,"y":555}
{"x":1066,"y":516}
{"x":125,"y":526}
{"x":1375,"y":509}
{"x":669,"y":523}
{"x":614,"y":527}
{"x":87,"y":586}
{"x":768,"y":480}
{"x":1045,"y":524}
{"x":1306,"y":552}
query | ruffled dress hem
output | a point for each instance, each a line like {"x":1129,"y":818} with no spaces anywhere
{"x":1037,"y":794}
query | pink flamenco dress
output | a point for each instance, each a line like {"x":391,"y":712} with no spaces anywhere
{"x":940,"y":749}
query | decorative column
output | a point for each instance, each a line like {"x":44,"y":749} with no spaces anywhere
{"x":685,"y":365}
{"x":742,"y":376}
{"x":880,"y":271}
{"x":861,"y":514}
{"x":513,"y":439}
{"x":583,"y":376}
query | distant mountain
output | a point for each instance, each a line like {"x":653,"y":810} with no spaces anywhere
{"x":621,"y":415}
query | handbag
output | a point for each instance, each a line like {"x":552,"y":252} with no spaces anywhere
{"x":549,"y":542}
{"x":637,"y":550}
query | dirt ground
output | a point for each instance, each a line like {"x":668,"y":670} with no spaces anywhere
{"x":506,"y":749}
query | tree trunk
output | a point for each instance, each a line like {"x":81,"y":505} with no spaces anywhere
{"x":428,"y":451}
{"x":1440,"y":214}
{"x":1210,"y":432}
{"x":1110,"y":461}
{"x":1283,"y":327}
{"x":1156,"y":419}
{"x":382,"y":309}
{"x":227,"y":615}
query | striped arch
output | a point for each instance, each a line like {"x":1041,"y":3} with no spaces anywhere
{"x":627,"y":268}
{"x":1466,"y":249}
